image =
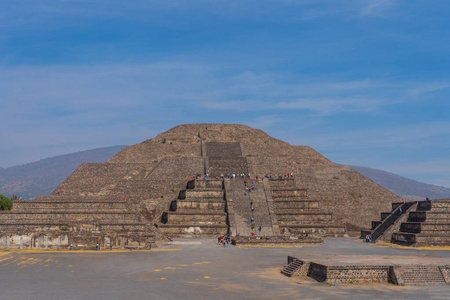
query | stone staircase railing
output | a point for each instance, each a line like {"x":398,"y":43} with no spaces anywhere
{"x":390,"y":220}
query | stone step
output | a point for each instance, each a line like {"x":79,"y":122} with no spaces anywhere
{"x":303,"y":218}
{"x":396,"y":205}
{"x":194,"y":229}
{"x":411,"y":227}
{"x":289,"y":193}
{"x":365,"y":233}
{"x":290,"y":211}
{"x":295,"y":200}
{"x":322,"y":229}
{"x":422,"y":216}
{"x":419,"y":275}
{"x":375,"y":224}
{"x":204,"y":218}
{"x":295,"y":204}
{"x":287,"y":188}
{"x":434,"y":205}
{"x":438,"y":215}
{"x":193,"y":212}
{"x":276,"y":183}
{"x":226,"y":166}
{"x":292,"y":267}
{"x":223,"y":149}
{"x":312,"y":212}
{"x":405,"y":239}
{"x":276,"y":240}
{"x":204,"y":193}
{"x":44,"y":222}
{"x":189,"y":224}
{"x":384,"y":215}
{"x":439,"y":209}
{"x":61,"y":210}
{"x":203,"y":205}
{"x":70,"y":215}
{"x":417,"y":227}
{"x":208,"y":184}
{"x":204,"y":199}
{"x":71,"y":198}
{"x":52,"y":228}
{"x":32,"y":205}
{"x":436,"y":238}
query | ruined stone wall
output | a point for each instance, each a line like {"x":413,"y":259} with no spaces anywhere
{"x":349,"y":274}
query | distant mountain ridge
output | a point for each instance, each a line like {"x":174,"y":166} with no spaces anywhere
{"x":42,"y":177}
{"x":404,"y":187}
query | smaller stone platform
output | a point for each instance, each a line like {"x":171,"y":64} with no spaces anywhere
{"x":396,"y":270}
{"x":275,"y":240}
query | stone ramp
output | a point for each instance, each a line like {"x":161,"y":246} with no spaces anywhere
{"x":243,"y":202}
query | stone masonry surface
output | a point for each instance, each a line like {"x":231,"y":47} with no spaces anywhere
{"x":139,"y":184}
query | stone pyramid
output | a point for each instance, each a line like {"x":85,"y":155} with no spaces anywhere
{"x":149,"y":190}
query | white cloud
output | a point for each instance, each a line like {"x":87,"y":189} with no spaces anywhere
{"x":423,"y":88}
{"x":376,"y":8}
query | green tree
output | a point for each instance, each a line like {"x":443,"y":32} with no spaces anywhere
{"x":5,"y":203}
{"x":14,"y":197}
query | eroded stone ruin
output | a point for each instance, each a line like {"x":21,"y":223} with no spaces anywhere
{"x":147,"y":192}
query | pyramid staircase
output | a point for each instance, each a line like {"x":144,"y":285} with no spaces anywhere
{"x":390,"y":221}
{"x":427,"y":225}
{"x":296,"y":213}
{"x":225,"y":159}
{"x":199,"y":210}
{"x":243,"y":201}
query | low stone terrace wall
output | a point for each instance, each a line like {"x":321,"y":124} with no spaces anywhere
{"x":275,"y":240}
{"x":397,"y":274}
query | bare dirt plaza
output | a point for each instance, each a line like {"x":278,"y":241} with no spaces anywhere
{"x":193,"y":268}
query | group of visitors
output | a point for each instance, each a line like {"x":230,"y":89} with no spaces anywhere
{"x":252,"y":207}
{"x":368,"y":238}
{"x":223,"y":240}
{"x":283,"y":176}
{"x":243,"y":176}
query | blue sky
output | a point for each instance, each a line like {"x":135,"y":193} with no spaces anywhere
{"x":363,"y":82}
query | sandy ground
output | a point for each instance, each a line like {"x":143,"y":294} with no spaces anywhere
{"x":201,"y":269}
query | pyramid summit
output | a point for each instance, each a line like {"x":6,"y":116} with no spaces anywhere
{"x":188,"y":181}
{"x":187,"y":140}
